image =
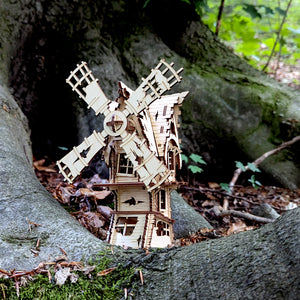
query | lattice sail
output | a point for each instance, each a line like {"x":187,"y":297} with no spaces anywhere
{"x":86,"y":86}
{"x":76,"y":160}
{"x":160,"y":80}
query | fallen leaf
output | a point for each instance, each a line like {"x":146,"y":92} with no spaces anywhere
{"x":239,"y":226}
{"x":213,"y":185}
{"x":39,"y":165}
{"x":99,"y":195}
{"x":106,"y":271}
{"x":61,"y":276}
{"x":62,"y":257}
{"x":74,"y":277}
{"x":88,"y":269}
{"x":106,"y":211}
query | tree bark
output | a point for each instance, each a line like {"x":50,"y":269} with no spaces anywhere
{"x":260,"y":264}
{"x":40,"y":43}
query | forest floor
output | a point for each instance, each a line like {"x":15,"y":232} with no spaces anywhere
{"x":91,"y":204}
{"x":287,"y":74}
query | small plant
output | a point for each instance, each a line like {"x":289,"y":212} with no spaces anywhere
{"x":193,"y":162}
{"x":254,"y":182}
{"x":242,"y":168}
{"x":225,"y":187}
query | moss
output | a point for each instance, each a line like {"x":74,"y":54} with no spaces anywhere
{"x":110,"y":286}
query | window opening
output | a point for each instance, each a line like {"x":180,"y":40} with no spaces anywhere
{"x":162,"y":228}
{"x":165,"y":110}
{"x":171,"y":160}
{"x":125,"y":165}
{"x":126,"y":225}
{"x":161,"y":197}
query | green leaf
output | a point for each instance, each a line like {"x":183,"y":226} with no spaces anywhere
{"x":225,"y":187}
{"x":146,"y":3}
{"x":254,"y":182}
{"x":195,"y":169}
{"x":199,"y":6}
{"x":197,"y":159}
{"x":296,"y":55}
{"x":252,"y":179}
{"x":280,"y":11}
{"x":186,"y":1}
{"x":184,"y":158}
{"x":253,"y":167}
{"x":239,"y":165}
{"x":258,"y":183}
{"x":252,"y":11}
{"x":268,"y":10}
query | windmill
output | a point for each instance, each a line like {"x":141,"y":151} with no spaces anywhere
{"x":140,"y":150}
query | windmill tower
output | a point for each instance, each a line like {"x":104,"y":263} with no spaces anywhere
{"x":141,"y":147}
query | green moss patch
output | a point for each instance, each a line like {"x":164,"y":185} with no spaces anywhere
{"x":89,"y":285}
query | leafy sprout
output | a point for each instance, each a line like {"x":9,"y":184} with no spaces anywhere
{"x":193,"y":161}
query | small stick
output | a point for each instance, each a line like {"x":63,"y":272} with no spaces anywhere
{"x":141,"y":277}
{"x":238,"y":171}
{"x":239,"y":214}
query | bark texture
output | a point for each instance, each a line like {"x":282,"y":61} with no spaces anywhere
{"x":23,"y":199}
{"x":259,"y":264}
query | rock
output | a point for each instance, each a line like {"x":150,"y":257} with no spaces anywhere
{"x":266,"y":211}
{"x":187,"y":220}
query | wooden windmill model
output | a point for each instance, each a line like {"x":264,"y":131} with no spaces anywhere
{"x":141,"y":147}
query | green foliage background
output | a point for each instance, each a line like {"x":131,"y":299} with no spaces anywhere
{"x":250,"y":28}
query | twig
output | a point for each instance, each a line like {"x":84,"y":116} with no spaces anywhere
{"x":238,"y":171}
{"x":278,"y":36}
{"x":219,"y":17}
{"x":205,"y":190}
{"x":223,"y":213}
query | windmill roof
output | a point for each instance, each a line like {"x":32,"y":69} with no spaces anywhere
{"x":161,"y":112}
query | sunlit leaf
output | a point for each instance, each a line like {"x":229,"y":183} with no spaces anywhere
{"x":195,"y":169}
{"x":197,"y":159}
{"x":239,"y":165}
{"x":253,"y":167}
{"x":225,"y":187}
{"x":184,"y":158}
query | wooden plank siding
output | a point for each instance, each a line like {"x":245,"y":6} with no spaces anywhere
{"x":138,"y":193}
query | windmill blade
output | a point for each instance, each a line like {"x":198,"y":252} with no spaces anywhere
{"x":160,"y":80}
{"x":150,"y":169}
{"x":86,"y":86}
{"x":76,"y":160}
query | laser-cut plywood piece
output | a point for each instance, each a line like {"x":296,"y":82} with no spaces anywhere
{"x":141,"y":147}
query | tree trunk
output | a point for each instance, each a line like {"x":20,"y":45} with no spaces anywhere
{"x":42,"y":41}
{"x":261,"y":264}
